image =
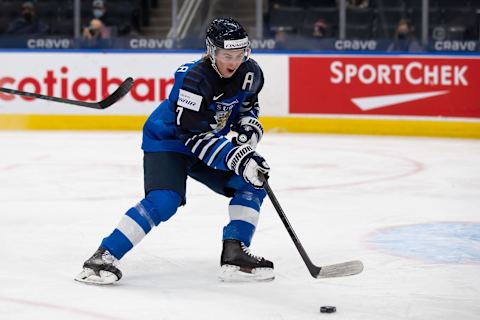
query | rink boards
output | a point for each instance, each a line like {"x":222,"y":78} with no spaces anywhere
{"x":428,"y":95}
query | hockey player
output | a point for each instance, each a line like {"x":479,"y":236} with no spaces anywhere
{"x":186,"y":136}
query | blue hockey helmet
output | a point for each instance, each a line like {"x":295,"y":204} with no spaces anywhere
{"x":228,"y":34}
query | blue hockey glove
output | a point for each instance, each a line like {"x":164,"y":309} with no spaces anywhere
{"x":248,"y":164}
{"x":250,"y":131}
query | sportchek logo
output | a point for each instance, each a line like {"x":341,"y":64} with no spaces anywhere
{"x":370,"y":103}
{"x":413,"y":73}
{"x":89,"y":88}
{"x":385,"y":85}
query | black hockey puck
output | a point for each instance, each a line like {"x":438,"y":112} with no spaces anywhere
{"x":328,"y":309}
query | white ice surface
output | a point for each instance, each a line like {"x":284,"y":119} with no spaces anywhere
{"x":61,"y":192}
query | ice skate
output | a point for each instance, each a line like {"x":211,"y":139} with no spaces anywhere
{"x":100,"y":269}
{"x":239,"y":265}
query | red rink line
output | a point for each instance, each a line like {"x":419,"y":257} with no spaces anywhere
{"x":59,"y":307}
{"x":416,"y":168}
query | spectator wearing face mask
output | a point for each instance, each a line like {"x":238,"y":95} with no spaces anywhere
{"x":96,"y":30}
{"x":96,"y":35}
{"x":404,"y":39}
{"x":100,"y":12}
{"x":27,"y":23}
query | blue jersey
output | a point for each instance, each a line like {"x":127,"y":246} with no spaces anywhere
{"x":201,"y":110}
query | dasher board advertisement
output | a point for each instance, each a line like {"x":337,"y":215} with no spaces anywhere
{"x":91,"y":76}
{"x":426,"y":86}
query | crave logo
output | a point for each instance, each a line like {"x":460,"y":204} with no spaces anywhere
{"x":420,"y":86}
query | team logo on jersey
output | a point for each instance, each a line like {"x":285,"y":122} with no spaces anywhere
{"x":223,"y":111}
{"x":189,"y":100}
{"x":225,"y":106}
{"x":221,"y":117}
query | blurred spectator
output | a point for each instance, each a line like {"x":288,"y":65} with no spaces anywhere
{"x":404,"y":39}
{"x":281,"y":38}
{"x":28,"y":23}
{"x":100,"y":11}
{"x":320,"y":29}
{"x":357,"y":3}
{"x":96,"y":30}
{"x":96,"y":35}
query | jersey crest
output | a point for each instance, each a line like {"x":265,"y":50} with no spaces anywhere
{"x":223,"y":110}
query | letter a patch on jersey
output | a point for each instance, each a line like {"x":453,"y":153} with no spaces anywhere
{"x":189,"y":100}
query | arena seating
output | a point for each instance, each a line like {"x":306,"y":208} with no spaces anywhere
{"x":459,"y":18}
{"x":58,"y":14}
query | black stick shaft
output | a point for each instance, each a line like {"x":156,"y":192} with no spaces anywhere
{"x":41,"y":96}
{"x":314,"y":270}
{"x":122,"y":90}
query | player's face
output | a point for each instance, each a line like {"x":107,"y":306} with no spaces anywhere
{"x":228,"y":61}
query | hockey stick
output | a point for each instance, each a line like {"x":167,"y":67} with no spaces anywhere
{"x":121,"y":91}
{"x":329,"y":271}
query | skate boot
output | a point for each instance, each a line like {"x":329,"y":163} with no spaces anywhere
{"x":239,"y":265}
{"x":100,"y":269}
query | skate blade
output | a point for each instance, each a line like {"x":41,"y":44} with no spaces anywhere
{"x":229,"y":273}
{"x":88,"y":276}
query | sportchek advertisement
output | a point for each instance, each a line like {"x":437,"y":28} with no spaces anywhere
{"x":429,"y":86}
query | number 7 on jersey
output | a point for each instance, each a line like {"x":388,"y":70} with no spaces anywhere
{"x":179,"y":114}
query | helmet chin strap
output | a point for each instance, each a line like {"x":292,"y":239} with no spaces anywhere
{"x":211,"y":56}
{"x":214,"y":66}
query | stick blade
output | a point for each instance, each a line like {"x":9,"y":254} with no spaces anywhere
{"x":343,"y":269}
{"x":121,"y":91}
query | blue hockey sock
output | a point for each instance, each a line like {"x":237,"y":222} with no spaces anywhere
{"x":244,"y":211}
{"x":158,"y":206}
{"x":239,"y":230}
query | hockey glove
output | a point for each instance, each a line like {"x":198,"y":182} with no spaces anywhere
{"x":250,"y":131}
{"x":248,"y":164}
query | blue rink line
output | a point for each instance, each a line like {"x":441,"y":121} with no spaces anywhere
{"x":327,"y":53}
{"x":440,"y":242}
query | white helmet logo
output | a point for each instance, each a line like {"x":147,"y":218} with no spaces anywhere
{"x":235,"y":44}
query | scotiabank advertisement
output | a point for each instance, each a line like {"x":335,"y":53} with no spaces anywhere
{"x":84,"y":77}
{"x":385,"y":85}
{"x":91,"y":76}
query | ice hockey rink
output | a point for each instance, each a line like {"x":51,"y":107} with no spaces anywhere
{"x":408,"y":207}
